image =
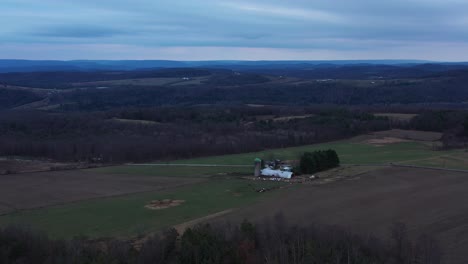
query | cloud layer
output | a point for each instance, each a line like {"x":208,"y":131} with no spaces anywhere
{"x":234,"y":29}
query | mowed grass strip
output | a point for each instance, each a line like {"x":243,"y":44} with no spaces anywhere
{"x":350,"y":152}
{"x":126,"y":215}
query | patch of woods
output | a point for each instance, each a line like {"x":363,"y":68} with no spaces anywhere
{"x":10,"y":98}
{"x":453,"y":124}
{"x":174,"y":132}
{"x":274,"y":241}
{"x":137,"y":134}
{"x":320,"y":160}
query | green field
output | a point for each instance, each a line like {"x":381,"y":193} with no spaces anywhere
{"x":222,"y":190}
{"x":456,"y":160}
{"x":349,"y":151}
{"x":126,"y":215}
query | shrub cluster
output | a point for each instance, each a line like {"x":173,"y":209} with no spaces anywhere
{"x":312,"y":162}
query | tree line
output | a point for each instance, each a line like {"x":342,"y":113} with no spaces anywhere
{"x":140,"y":134}
{"x":273,"y":241}
{"x":320,"y":160}
{"x":137,"y":134}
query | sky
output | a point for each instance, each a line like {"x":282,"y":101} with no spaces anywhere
{"x":234,"y":29}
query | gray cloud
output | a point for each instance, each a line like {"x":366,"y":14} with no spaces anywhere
{"x":78,"y":31}
{"x":336,"y":28}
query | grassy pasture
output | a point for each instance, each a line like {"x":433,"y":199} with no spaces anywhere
{"x":126,"y":216}
{"x":220,"y":190}
{"x":349,"y":151}
{"x":454,"y":160}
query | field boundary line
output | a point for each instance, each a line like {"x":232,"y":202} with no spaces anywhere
{"x":430,"y":168}
{"x":407,"y":166}
{"x":187,"y":165}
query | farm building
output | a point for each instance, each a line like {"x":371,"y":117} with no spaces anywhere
{"x":273,"y":169}
{"x":279,"y":173}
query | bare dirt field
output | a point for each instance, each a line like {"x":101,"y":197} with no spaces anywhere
{"x":163,"y":204}
{"x":409,"y":134}
{"x":428,"y":201}
{"x":18,"y":165}
{"x":32,"y":190}
{"x":398,"y":135}
{"x":384,"y":141}
{"x":397,"y":116}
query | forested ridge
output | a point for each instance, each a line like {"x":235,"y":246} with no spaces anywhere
{"x":75,"y":91}
{"x":219,"y":113}
{"x":174,"y":132}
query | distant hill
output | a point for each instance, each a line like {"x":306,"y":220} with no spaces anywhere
{"x":65,"y":79}
{"x":303,"y":84}
{"x":91,"y":65}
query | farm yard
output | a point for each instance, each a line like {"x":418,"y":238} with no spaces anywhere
{"x":367,"y":193}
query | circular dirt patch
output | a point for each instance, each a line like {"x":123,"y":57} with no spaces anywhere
{"x":385,"y":141}
{"x":163,"y":204}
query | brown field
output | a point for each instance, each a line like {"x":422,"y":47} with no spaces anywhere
{"x":280,"y":118}
{"x":144,"y":82}
{"x":406,"y":134}
{"x":397,"y":116}
{"x":18,"y":165}
{"x":59,"y":187}
{"x":133,"y":121}
{"x":287,"y":118}
{"x":384,"y":141}
{"x":429,"y":201}
{"x":163,"y":204}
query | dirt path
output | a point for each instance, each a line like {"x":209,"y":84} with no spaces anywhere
{"x":182,"y":227}
{"x":138,"y":242}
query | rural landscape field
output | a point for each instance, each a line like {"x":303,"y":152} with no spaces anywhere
{"x":110,"y":201}
{"x":129,"y":160}
{"x":233,"y":132}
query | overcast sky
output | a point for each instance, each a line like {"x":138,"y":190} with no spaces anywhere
{"x":233,"y":29}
